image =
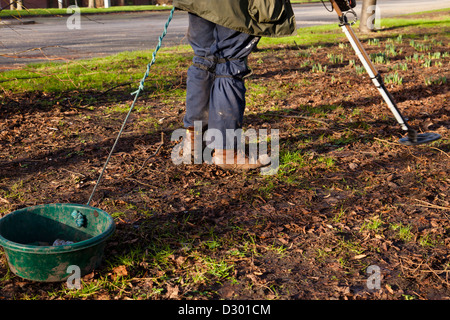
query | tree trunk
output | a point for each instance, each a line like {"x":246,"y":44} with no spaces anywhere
{"x":367,"y":24}
{"x":91,"y":4}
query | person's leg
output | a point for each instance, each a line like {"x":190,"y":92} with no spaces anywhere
{"x":200,"y":78}
{"x":200,"y":75}
{"x":227,"y":102}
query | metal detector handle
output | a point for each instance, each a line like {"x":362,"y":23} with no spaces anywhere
{"x":370,"y":68}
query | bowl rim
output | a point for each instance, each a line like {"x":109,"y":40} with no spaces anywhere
{"x":80,"y":245}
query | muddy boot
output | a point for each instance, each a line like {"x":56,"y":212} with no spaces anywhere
{"x":188,"y":145}
{"x":236,"y":161}
{"x":188,"y":141}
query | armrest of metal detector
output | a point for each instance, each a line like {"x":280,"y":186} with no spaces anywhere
{"x":345,"y":5}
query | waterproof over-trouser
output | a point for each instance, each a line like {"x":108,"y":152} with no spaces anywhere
{"x":215,"y":93}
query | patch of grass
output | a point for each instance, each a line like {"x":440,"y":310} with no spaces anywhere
{"x":322,"y":254}
{"x":427,"y":63}
{"x":373,"y":42}
{"x":136,"y":255}
{"x":400,"y":66}
{"x":102,"y":74}
{"x":266,"y":189}
{"x":403,"y":231}
{"x":343,"y":138}
{"x":421,"y":47}
{"x":335,"y":58}
{"x":339,"y":215}
{"x":289,"y":165}
{"x":419,"y":23}
{"x":260,"y":95}
{"x":328,"y":161}
{"x":208,"y":266}
{"x":393,"y":78}
{"x":309,"y":36}
{"x":16,"y":192}
{"x":278,"y":249}
{"x":8,"y":274}
{"x":87,"y":290}
{"x":428,"y":241}
{"x":391,"y":50}
{"x":379,"y":58}
{"x":358,"y":68}
{"x":322,"y":110}
{"x":435,"y":55}
{"x":318,"y":68}
{"x":435,"y":80}
{"x":345,"y":250}
{"x":374,"y":224}
{"x":290,"y":160}
{"x":304,"y":54}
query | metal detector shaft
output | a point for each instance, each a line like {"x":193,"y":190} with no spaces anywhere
{"x":370,"y":68}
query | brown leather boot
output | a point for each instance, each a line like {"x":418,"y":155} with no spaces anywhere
{"x":188,"y":145}
{"x":237,"y":161}
{"x":188,"y":141}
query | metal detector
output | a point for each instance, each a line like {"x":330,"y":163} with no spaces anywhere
{"x":342,"y":8}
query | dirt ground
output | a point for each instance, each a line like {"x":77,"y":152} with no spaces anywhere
{"x":347,"y":195}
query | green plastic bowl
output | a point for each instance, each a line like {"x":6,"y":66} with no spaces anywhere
{"x":27,"y":236}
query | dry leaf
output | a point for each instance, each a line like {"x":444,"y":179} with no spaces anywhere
{"x":172,"y":292}
{"x":89,"y":276}
{"x":119,"y":271}
{"x":353,"y":166}
{"x":388,"y":287}
{"x":180,"y":260}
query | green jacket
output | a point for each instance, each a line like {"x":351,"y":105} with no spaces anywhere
{"x":270,"y":18}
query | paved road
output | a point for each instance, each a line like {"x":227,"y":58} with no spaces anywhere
{"x":49,"y":37}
